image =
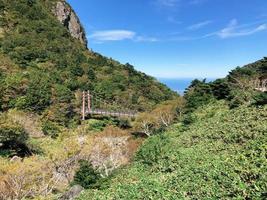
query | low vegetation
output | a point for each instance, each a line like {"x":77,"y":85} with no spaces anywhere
{"x":220,"y":155}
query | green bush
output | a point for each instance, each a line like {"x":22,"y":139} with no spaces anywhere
{"x":96,"y":125}
{"x":86,"y":176}
{"x":152,"y":150}
{"x":10,"y":131}
{"x":124,"y":124}
{"x":13,"y":139}
{"x":261,"y":99}
{"x":51,"y":129}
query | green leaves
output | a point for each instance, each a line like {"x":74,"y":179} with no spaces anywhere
{"x":38,"y":95}
{"x":10,"y":131}
{"x":86,"y":176}
{"x":222,"y":155}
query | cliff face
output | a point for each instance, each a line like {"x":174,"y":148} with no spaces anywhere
{"x":69,"y":19}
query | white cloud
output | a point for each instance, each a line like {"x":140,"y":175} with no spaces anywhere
{"x":145,"y":39}
{"x":119,"y":35}
{"x":199,"y":25}
{"x":234,"y":30}
{"x":112,"y":35}
{"x":175,"y":3}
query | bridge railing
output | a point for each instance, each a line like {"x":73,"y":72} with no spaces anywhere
{"x":88,"y":109}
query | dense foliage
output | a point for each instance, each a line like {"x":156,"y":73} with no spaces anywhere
{"x":43,"y":69}
{"x":86,"y":176}
{"x":220,"y":156}
{"x":13,"y":138}
{"x":238,"y":88}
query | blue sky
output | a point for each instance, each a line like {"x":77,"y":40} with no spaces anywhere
{"x":177,"y":38}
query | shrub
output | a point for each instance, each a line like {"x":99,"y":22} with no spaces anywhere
{"x":29,"y":179}
{"x":261,"y":99}
{"x":86,"y":176}
{"x":97,"y":125}
{"x":51,"y":129}
{"x":152,"y":151}
{"x":10,"y":131}
{"x":188,"y":119}
{"x":124,"y":124}
{"x":13,"y":138}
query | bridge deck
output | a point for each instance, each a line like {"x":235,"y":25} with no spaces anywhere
{"x":111,"y":113}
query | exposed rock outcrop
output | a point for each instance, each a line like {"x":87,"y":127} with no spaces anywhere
{"x":72,"y":193}
{"x":69,"y":19}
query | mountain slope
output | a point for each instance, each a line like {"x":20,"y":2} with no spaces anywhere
{"x":222,"y":155}
{"x":44,"y":66}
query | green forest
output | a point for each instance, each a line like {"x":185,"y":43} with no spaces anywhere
{"x":210,"y":143}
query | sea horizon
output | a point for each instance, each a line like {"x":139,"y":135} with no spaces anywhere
{"x":179,"y":85}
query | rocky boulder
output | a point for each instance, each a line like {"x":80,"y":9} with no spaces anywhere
{"x":69,"y":19}
{"x":72,"y":193}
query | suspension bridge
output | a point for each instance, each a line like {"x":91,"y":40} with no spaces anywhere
{"x":90,"y":102}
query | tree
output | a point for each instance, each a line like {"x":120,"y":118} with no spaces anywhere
{"x":242,"y":84}
{"x":160,"y":117}
{"x":220,"y":89}
{"x":38,"y":94}
{"x":199,"y":93}
{"x":145,"y":123}
{"x":91,"y":74}
{"x":168,"y":111}
{"x":86,"y":176}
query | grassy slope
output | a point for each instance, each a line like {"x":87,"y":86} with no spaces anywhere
{"x":222,"y":155}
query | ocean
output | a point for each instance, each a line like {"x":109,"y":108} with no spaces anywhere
{"x":179,"y":84}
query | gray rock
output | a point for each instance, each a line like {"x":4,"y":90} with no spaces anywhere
{"x":69,"y":19}
{"x":72,"y":193}
{"x":15,"y":159}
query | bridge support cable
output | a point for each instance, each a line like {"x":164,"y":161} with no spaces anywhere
{"x":94,"y":106}
{"x":83,"y":106}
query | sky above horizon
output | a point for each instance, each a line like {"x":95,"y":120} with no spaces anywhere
{"x":177,"y":38}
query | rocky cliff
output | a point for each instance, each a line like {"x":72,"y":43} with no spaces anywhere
{"x":69,"y":19}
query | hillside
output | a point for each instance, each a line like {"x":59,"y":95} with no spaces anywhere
{"x":45,"y":65}
{"x":215,"y":150}
{"x":208,"y":144}
{"x":222,"y":155}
